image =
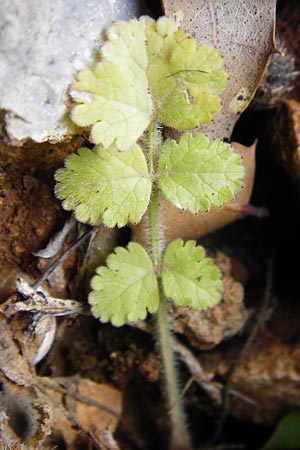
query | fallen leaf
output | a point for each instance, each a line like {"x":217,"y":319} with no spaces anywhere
{"x":12,"y":363}
{"x":97,"y":406}
{"x":56,"y":242}
{"x":25,"y":420}
{"x":243,"y":33}
{"x":93,"y":408}
{"x":105,"y":440}
{"x":36,"y":301}
{"x":35,"y":332}
{"x":58,"y":404}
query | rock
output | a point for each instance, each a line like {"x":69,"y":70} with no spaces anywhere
{"x":42,"y":46}
{"x":265,"y":385}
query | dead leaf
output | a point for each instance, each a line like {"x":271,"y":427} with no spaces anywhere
{"x":25,"y":419}
{"x":37,"y":301}
{"x":35,"y":331}
{"x":94,"y":405}
{"x":94,"y":409}
{"x":105,"y":440}
{"x":12,"y":363}
{"x":243,"y":32}
{"x":56,"y":242}
{"x":35,"y":334}
{"x":177,"y":223}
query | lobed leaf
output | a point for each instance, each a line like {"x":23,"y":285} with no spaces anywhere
{"x":148,"y":69}
{"x":126,"y":289}
{"x":189,"y":278}
{"x":183,"y":77}
{"x":195,"y":174}
{"x":106,"y":185}
{"x":119,"y":108}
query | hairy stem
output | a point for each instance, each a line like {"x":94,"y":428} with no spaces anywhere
{"x":179,"y":435}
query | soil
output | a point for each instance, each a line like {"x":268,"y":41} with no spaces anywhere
{"x":29,"y":211}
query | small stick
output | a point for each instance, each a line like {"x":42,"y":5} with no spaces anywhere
{"x":198,"y":375}
{"x":184,"y":391}
{"x":59,"y":260}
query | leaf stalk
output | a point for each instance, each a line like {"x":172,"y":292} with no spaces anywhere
{"x":179,"y":438}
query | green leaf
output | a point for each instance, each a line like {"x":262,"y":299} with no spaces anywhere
{"x":183,"y":77}
{"x":189,"y":278}
{"x":148,"y":70}
{"x":126,"y":289}
{"x":287,"y":434}
{"x":107,"y":184}
{"x":119,"y":108}
{"x":195,"y":174}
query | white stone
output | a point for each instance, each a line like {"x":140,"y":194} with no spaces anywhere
{"x":42,"y":45}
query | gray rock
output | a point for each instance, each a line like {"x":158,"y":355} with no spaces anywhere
{"x":42,"y":46}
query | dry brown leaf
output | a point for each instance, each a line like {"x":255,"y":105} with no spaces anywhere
{"x":243,"y":32}
{"x":12,"y":363}
{"x":56,"y":242}
{"x":96,"y":405}
{"x":177,"y":223}
{"x":25,"y":419}
{"x":94,"y":409}
{"x":54,"y":405}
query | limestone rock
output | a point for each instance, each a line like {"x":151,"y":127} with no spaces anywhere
{"x":42,"y":45}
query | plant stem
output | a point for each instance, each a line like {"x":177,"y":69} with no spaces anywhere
{"x":179,"y":435}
